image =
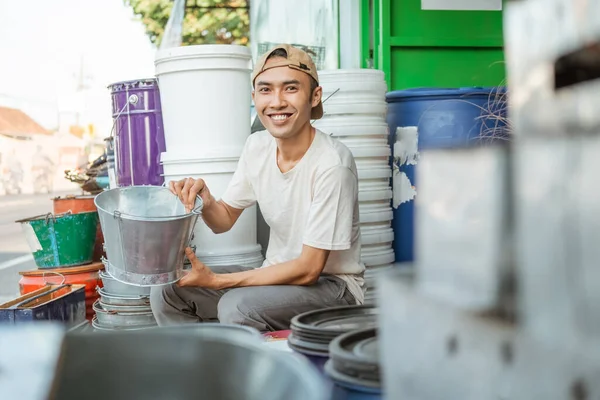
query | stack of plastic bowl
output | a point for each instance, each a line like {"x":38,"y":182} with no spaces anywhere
{"x":354,"y":365}
{"x":313,"y":331}
{"x":355,"y":113}
{"x":205,"y":135}
{"x":122,"y":306}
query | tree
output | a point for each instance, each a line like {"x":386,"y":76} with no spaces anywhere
{"x":205,"y":22}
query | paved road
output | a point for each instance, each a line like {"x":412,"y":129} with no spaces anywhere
{"x":14,"y":251}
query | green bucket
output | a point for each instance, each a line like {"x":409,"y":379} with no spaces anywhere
{"x":62,"y":240}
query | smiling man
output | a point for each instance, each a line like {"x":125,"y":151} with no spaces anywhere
{"x":307,"y":187}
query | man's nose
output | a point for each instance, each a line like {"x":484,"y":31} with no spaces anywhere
{"x":278,"y":99}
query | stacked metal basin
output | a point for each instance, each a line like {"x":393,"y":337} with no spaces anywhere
{"x":121,"y":306}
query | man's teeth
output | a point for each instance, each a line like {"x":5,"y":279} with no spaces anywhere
{"x":279,"y":117}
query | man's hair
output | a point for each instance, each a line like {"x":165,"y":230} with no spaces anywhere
{"x":283,"y":54}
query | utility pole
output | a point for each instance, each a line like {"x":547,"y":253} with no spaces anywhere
{"x":82,"y":80}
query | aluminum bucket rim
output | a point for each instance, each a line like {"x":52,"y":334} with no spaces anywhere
{"x":196,"y":211}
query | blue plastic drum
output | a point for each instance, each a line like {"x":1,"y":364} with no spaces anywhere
{"x":429,"y":118}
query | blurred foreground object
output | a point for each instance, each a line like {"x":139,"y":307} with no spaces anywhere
{"x":521,"y":312}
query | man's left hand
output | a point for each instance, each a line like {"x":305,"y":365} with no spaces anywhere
{"x":200,"y":275}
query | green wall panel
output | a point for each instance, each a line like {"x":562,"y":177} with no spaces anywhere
{"x":457,"y":28}
{"x":419,"y":48}
{"x":445,"y":67}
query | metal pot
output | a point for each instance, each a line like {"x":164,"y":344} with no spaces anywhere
{"x":122,"y":309}
{"x":114,"y":318}
{"x":146,"y":230}
{"x":116,"y":288}
{"x":150,"y":364}
{"x":136,"y":300}
{"x":97,"y":326}
{"x":243,"y":334}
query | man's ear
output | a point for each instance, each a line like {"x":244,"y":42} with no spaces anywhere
{"x":316,"y":96}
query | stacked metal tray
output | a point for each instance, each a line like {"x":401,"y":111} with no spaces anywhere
{"x":122,"y":306}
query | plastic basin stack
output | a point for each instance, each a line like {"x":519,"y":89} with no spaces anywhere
{"x":205,"y":95}
{"x":355,"y":113}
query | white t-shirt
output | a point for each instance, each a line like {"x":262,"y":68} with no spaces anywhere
{"x":315,"y":203}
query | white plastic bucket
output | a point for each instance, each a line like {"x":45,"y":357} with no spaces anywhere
{"x":376,"y":236}
{"x":205,"y":95}
{"x":373,"y":184}
{"x":365,"y":131}
{"x":380,"y":214}
{"x":374,"y":173}
{"x":372,"y":162}
{"x":348,"y":121}
{"x":373,"y":206}
{"x":217,"y":174}
{"x":377,"y":255}
{"x":355,"y":107}
{"x":253,"y":259}
{"x":345,"y":93}
{"x":371,"y":151}
{"x":364,"y":141}
{"x":375,"y":195}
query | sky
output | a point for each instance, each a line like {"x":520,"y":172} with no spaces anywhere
{"x":43,"y":45}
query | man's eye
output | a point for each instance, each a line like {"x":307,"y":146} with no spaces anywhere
{"x":263,"y":90}
{"x":291,"y":88}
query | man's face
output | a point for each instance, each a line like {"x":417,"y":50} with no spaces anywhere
{"x":283,"y":100}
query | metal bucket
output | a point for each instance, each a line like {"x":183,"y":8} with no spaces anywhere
{"x":99,"y":327}
{"x":146,"y":231}
{"x":125,"y":318}
{"x":119,"y":300}
{"x":61,"y":240}
{"x":150,"y":364}
{"x":114,"y":287}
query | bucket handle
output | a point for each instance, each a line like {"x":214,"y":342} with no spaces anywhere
{"x":132,"y":99}
{"x":198,"y":210}
{"x":46,"y":216}
{"x":40,"y":295}
{"x":55,"y":273}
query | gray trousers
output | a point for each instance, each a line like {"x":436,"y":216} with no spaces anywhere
{"x":266,"y":308}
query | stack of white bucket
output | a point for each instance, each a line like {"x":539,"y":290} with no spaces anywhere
{"x":355,"y":111}
{"x":205,"y":96}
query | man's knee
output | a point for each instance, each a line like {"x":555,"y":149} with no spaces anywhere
{"x":235,"y":308}
{"x":158,"y":295}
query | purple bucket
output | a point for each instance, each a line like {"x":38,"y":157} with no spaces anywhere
{"x":139,"y":133}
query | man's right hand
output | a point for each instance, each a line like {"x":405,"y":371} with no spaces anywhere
{"x":187,"y":189}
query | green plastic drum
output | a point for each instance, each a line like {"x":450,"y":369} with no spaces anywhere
{"x":62,"y":240}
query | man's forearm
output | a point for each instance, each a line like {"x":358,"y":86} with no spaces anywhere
{"x":288,"y":273}
{"x":217,"y":216}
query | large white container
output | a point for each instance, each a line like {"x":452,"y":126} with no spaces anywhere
{"x":205,"y":96}
{"x":217,"y":173}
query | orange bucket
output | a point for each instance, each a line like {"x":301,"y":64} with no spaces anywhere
{"x":85,"y":275}
{"x":79,"y":204}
